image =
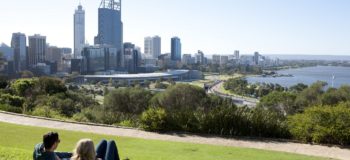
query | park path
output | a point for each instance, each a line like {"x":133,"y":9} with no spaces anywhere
{"x":305,"y":149}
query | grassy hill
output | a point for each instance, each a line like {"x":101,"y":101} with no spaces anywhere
{"x":17,"y":142}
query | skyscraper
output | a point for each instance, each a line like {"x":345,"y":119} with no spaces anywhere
{"x":19,"y":45}
{"x":148,"y":47}
{"x":110,"y":26}
{"x":237,"y":54}
{"x":157,"y":46}
{"x":175,"y":49}
{"x":36,"y":50}
{"x":256,"y":58}
{"x":131,"y":57}
{"x":200,"y":59}
{"x":79,"y":31}
{"x":153,"y":46}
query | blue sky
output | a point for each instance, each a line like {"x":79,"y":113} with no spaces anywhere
{"x":214,"y":26}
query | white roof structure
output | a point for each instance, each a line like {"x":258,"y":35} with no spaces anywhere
{"x":142,"y":75}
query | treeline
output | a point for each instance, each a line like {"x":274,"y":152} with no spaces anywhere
{"x":241,"y":86}
{"x":306,"y":113}
{"x":43,"y":96}
{"x":313,"y":114}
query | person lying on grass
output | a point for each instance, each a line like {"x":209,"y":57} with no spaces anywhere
{"x":46,"y":149}
{"x":84,"y":150}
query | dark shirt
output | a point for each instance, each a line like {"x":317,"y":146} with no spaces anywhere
{"x":41,"y":154}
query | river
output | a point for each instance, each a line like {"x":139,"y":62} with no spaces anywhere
{"x":308,"y":75}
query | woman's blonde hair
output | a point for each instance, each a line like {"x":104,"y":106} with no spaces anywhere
{"x":85,"y":150}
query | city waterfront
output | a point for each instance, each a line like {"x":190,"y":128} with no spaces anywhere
{"x":308,"y":76}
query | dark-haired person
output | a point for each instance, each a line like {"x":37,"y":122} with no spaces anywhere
{"x":46,"y":149}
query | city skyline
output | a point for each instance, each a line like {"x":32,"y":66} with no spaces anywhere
{"x":270,"y":27}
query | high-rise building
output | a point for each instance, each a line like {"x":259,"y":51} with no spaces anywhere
{"x":200,"y":59}
{"x":236,"y":54}
{"x":187,"y":59}
{"x":256,"y":58}
{"x":79,"y":31}
{"x":131,"y":55}
{"x":99,"y":58}
{"x":175,"y":49}
{"x":216,"y":59}
{"x":110,"y":25}
{"x":223,"y":60}
{"x":7,"y":52}
{"x":19,"y":45}
{"x":148,"y":48}
{"x":153,"y":47}
{"x":157,"y":46}
{"x":36,"y":50}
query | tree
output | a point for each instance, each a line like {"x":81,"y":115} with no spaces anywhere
{"x":298,"y":87}
{"x":127,"y":100}
{"x":3,"y":82}
{"x":51,"y":86}
{"x":23,"y":86}
{"x":322,"y":124}
{"x":26,"y":74}
{"x":147,"y":83}
{"x":311,"y":96}
{"x":280,"y":102}
{"x":180,"y":97}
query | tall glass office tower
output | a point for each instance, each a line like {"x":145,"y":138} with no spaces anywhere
{"x":79,"y":31}
{"x":175,"y":49}
{"x":110,"y":27}
{"x":19,"y":44}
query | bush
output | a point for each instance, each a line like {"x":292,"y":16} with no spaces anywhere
{"x":160,"y":85}
{"x":15,"y":101}
{"x":154,"y":119}
{"x":9,"y":108}
{"x":46,"y":111}
{"x":181,"y":97}
{"x":242,"y":121}
{"x":80,"y":117}
{"x":23,"y":86}
{"x":127,"y":123}
{"x":322,"y":124}
{"x":127,"y":100}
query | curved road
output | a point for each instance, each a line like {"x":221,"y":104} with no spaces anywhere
{"x":240,"y":101}
{"x":306,"y":149}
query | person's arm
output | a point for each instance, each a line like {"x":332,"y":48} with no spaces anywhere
{"x":63,"y":155}
{"x":58,"y":158}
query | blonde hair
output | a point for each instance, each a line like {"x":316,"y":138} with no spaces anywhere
{"x":84,"y":150}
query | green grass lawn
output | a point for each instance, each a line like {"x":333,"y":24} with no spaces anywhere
{"x":17,"y":142}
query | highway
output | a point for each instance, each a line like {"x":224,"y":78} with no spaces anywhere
{"x":238,"y":100}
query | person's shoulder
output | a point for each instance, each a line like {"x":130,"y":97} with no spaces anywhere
{"x":39,"y":145}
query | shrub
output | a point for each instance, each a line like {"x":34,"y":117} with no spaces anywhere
{"x":127,"y":123}
{"x":181,"y":97}
{"x":160,"y":85}
{"x":154,"y":119}
{"x":22,"y":86}
{"x":80,"y":117}
{"x":9,"y":108}
{"x":127,"y":100}
{"x":242,"y":121}
{"x":46,"y":111}
{"x":322,"y":124}
{"x":15,"y":101}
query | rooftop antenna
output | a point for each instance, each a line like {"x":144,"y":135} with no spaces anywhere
{"x":111,"y":4}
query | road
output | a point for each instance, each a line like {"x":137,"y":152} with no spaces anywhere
{"x":291,"y":147}
{"x":238,"y":100}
